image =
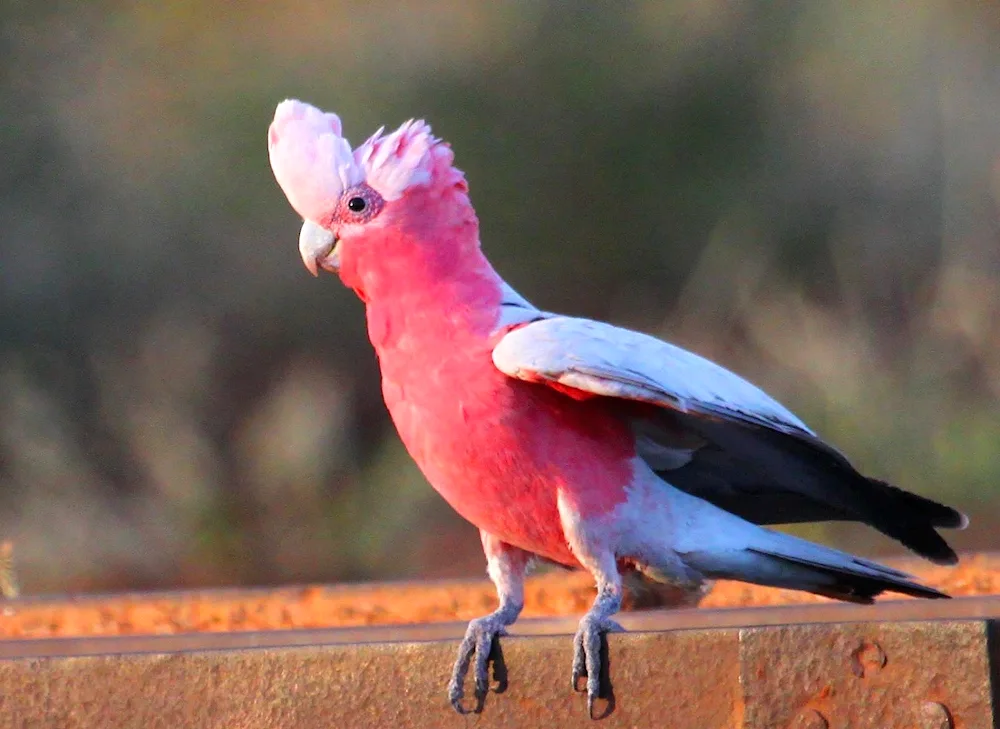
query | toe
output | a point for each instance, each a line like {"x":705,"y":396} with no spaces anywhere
{"x":588,"y":658}
{"x":592,"y":643}
{"x":456,"y":691}
{"x":456,"y":686}
{"x":455,"y":694}
{"x":579,"y":661}
{"x":484,"y":645}
{"x":478,"y":642}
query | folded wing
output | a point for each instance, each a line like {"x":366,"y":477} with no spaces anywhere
{"x":715,"y":435}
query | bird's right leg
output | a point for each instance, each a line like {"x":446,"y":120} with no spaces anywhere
{"x":506,"y":566}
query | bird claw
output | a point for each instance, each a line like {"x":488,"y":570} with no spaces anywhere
{"x":589,"y":658}
{"x":479,"y":641}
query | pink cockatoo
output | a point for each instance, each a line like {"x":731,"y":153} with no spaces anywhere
{"x":569,"y":440}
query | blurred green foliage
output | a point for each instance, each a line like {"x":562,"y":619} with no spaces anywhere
{"x":806,"y":192}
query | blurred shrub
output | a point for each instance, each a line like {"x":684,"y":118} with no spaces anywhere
{"x":806,"y":192}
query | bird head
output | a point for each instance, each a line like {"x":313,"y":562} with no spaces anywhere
{"x":394,"y":198}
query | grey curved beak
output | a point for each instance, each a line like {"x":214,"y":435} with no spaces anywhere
{"x":318,"y":247}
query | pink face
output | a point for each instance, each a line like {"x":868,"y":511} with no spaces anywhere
{"x":320,"y":243}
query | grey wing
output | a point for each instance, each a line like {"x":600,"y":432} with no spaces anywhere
{"x":717,"y":436}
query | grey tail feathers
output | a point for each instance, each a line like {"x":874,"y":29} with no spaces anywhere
{"x":859,"y":583}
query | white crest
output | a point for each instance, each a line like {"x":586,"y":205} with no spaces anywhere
{"x":312,"y":162}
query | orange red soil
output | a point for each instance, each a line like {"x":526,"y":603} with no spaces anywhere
{"x":384,"y":604}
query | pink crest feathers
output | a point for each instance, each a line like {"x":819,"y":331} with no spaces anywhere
{"x":314,"y":165}
{"x":394,"y":162}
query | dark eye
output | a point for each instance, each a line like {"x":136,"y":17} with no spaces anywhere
{"x":359,"y":204}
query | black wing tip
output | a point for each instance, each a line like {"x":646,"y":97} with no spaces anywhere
{"x":928,"y":544}
{"x":950,"y":559}
{"x":912,"y":520}
{"x":934,"y":513}
{"x":950,"y":519}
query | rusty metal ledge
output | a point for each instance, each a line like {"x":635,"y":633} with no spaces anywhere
{"x":904,"y":664}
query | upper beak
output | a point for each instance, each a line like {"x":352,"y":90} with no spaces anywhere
{"x":318,"y":247}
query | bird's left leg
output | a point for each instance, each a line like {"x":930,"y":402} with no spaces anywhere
{"x":594,"y":625}
{"x":506,"y":566}
{"x":590,"y":546}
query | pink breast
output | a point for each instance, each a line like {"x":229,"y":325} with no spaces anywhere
{"x":500,"y":450}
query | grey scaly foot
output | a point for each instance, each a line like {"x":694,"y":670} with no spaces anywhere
{"x":587,"y":655}
{"x":594,"y":626}
{"x":506,"y":566}
{"x":478,"y":642}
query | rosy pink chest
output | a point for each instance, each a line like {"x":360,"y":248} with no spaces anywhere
{"x":500,"y":450}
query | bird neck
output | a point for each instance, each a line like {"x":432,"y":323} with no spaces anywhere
{"x":461,"y":299}
{"x":425,"y":269}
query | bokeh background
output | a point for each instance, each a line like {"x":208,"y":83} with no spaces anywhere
{"x":807,"y":192}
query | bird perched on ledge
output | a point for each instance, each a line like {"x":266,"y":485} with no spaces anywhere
{"x":570,"y":440}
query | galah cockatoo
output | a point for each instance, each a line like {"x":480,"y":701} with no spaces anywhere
{"x":565,"y":439}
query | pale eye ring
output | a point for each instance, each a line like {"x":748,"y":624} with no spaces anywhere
{"x":359,"y":204}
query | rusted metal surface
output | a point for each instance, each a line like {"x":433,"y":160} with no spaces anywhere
{"x":370,"y":686}
{"x":827,"y":667}
{"x":868,"y":675}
